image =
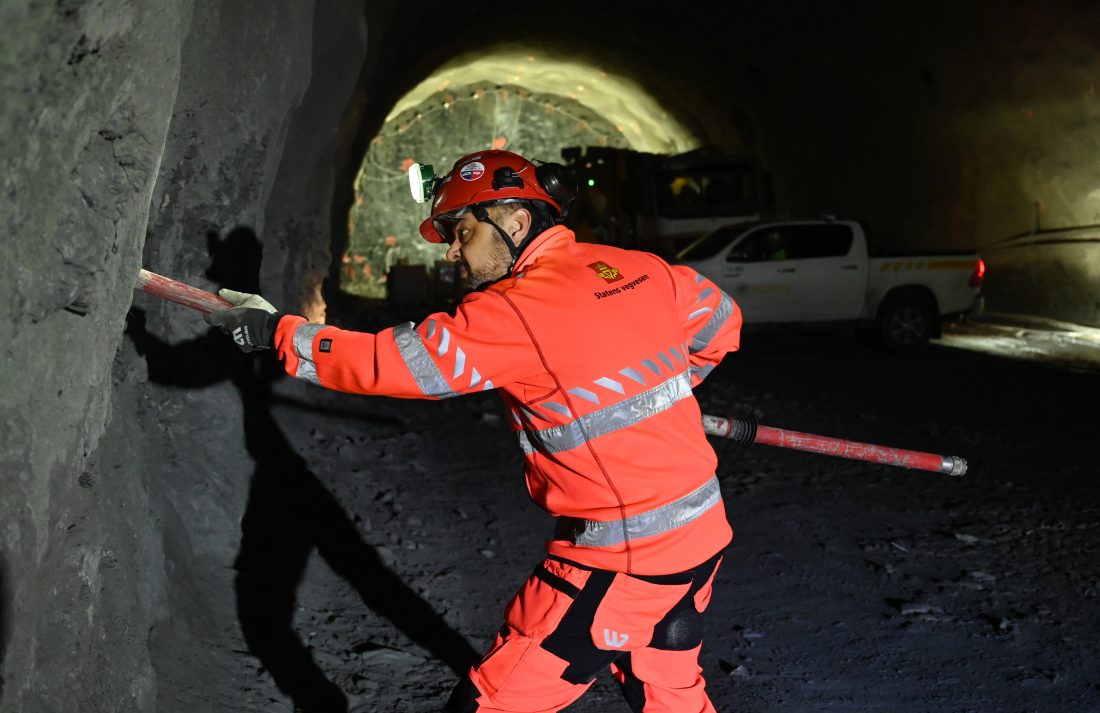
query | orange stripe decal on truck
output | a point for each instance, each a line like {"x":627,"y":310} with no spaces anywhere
{"x":951,"y":265}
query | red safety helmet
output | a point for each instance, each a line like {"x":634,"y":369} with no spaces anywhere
{"x":484,"y":177}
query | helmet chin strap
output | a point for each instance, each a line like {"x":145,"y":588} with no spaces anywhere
{"x":482,"y":216}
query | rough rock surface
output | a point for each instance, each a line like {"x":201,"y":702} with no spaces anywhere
{"x":135,"y":125}
{"x":88,"y":91}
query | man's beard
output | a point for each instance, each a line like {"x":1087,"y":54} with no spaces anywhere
{"x":495,"y":266}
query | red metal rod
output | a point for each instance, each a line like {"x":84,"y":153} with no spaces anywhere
{"x":746,"y":431}
{"x":178,"y":292}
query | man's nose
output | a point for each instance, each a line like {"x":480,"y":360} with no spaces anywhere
{"x":453,"y":251}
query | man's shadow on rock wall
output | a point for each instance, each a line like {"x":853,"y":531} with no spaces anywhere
{"x":289,"y":511}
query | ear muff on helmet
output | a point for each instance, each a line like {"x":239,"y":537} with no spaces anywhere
{"x":560,"y":183}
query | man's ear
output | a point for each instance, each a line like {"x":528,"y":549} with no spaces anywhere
{"x":519,"y":222}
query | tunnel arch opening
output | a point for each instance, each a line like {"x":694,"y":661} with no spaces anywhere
{"x":533,"y":102}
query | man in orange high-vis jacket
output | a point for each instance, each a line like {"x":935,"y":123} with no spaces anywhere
{"x":595,"y":351}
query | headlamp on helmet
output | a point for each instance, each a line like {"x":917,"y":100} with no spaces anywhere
{"x":422,"y":181}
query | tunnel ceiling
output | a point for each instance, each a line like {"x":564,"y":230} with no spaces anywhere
{"x":621,"y":100}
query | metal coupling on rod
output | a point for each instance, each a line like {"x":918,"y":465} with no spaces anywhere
{"x":742,"y":429}
{"x":953,"y":465}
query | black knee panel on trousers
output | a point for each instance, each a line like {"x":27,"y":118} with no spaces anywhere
{"x":680,"y":630}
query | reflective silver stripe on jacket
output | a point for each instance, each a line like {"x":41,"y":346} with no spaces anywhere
{"x":423,"y":368}
{"x":595,"y":533}
{"x":725,"y":308}
{"x":702,"y":371}
{"x":303,"y":347}
{"x":624,"y":414}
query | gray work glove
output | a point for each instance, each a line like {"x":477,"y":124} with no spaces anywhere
{"x":251,"y":323}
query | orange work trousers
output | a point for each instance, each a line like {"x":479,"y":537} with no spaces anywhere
{"x":569,"y":622}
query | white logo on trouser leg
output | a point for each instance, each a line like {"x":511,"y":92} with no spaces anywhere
{"x":614,"y":639}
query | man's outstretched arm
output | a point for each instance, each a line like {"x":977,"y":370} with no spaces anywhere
{"x":481,"y":346}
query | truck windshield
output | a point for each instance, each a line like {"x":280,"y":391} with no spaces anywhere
{"x":710,"y":244}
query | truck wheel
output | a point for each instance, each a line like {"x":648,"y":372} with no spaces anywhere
{"x":906,"y":323}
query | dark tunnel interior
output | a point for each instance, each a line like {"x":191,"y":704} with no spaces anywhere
{"x":184,"y":527}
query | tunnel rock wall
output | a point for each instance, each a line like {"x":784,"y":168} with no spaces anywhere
{"x":88,"y":89}
{"x":140,"y":129}
{"x":1054,"y":276}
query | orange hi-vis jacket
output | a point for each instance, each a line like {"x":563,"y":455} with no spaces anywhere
{"x":595,"y":350}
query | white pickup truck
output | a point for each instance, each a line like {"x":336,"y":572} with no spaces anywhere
{"x":821,"y":271}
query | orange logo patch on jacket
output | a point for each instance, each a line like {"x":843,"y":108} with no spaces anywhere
{"x":608,"y":273}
